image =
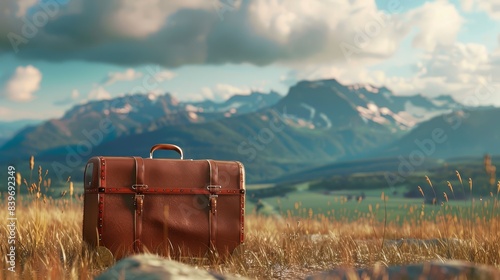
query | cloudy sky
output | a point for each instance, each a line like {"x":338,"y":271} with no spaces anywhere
{"x":55,"y":54}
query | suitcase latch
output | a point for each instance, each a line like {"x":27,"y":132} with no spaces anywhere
{"x":214,"y":188}
{"x":140,"y":188}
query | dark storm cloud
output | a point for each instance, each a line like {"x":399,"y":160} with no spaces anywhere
{"x":176,"y":33}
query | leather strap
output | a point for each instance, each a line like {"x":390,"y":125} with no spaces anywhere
{"x":139,"y":187}
{"x":102,"y":185}
{"x":138,"y":202}
{"x":166,"y":191}
{"x":214,"y":189}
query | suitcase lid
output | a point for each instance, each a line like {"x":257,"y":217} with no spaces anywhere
{"x":153,"y":175}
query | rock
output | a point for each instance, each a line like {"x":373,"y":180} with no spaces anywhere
{"x":151,"y":267}
{"x":435,"y":270}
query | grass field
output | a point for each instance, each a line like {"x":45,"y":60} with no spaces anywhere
{"x":288,"y":238}
{"x":374,"y":204}
{"x":49,"y":243}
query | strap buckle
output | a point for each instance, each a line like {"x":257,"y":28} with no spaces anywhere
{"x":139,"y":203}
{"x":139,"y":188}
{"x":214,"y":188}
{"x":213,"y":204}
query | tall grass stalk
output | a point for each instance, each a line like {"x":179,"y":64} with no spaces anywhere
{"x":472,"y":215}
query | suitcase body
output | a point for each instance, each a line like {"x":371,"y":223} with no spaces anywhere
{"x":171,"y":207}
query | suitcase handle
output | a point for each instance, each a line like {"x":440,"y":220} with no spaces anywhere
{"x":166,"y":147}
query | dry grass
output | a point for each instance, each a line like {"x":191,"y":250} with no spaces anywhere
{"x":49,"y":239}
{"x":49,"y":244}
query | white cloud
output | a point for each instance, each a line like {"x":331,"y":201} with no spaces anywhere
{"x":206,"y":93}
{"x":466,"y":71}
{"x":229,"y":89}
{"x":490,"y":7}
{"x":75,"y":94}
{"x":224,"y":91}
{"x":459,"y":63}
{"x":21,"y":85}
{"x":148,"y":17}
{"x":438,"y":22}
{"x":5,"y":112}
{"x":164,"y":76}
{"x":219,"y":93}
{"x":454,"y":69}
{"x":129,"y":75}
{"x":467,"y":5}
{"x":23,"y":6}
{"x":321,"y":31}
{"x":99,"y":93}
{"x":139,"y":19}
{"x":461,"y":70}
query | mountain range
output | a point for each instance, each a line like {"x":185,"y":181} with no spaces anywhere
{"x":462,"y":133}
{"x":9,"y":128}
{"x":130,"y":114}
{"x":318,"y":123}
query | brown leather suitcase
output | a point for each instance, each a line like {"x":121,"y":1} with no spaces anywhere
{"x":172,"y":207}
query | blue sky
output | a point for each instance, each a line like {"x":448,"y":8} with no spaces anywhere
{"x":55,"y":54}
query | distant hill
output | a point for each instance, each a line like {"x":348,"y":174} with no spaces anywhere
{"x":471,"y":132}
{"x":9,"y":128}
{"x":383,"y":165}
{"x":461,"y":136}
{"x":316,"y":123}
